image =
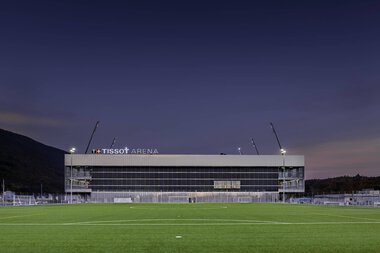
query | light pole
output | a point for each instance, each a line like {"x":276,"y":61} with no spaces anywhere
{"x":283,"y":152}
{"x":72,"y":151}
{"x":3,"y":192}
{"x":239,"y":149}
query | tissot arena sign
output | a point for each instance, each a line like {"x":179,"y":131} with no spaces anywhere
{"x":125,"y":151}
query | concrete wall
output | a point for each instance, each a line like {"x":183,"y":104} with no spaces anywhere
{"x":183,"y":160}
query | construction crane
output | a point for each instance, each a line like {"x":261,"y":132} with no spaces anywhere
{"x":278,"y":141}
{"x":113,"y":142}
{"x":283,"y":152}
{"x":92,"y":135}
{"x":254,"y":145}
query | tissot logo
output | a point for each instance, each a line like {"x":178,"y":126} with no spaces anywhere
{"x":111,"y":151}
{"x":124,"y":151}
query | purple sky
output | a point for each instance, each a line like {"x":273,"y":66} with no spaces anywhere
{"x":198,"y":77}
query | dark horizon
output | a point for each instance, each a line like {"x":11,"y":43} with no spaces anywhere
{"x":200,"y":77}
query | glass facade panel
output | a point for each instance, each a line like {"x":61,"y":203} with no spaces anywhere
{"x":182,"y":178}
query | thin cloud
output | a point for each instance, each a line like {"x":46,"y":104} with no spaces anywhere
{"x":27,"y":119}
{"x":343,"y":157}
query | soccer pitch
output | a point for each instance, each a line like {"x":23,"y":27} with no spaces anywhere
{"x":189,"y":228}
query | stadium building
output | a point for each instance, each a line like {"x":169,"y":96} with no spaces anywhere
{"x":150,"y":177}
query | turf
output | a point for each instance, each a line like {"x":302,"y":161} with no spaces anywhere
{"x":201,"y":228}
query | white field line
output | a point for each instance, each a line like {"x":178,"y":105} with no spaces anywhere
{"x":345,"y":216}
{"x":191,"y":208}
{"x":142,"y":220}
{"x":188,"y":224}
{"x":12,"y":217}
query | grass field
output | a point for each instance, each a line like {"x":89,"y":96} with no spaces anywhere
{"x":189,"y":228}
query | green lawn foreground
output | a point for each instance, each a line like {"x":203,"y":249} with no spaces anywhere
{"x":189,"y":228}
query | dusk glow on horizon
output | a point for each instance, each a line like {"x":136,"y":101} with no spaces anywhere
{"x":198,"y":77}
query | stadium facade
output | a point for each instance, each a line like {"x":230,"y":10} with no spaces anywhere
{"x":104,"y":177}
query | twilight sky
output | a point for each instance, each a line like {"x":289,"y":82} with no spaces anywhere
{"x":198,"y":77}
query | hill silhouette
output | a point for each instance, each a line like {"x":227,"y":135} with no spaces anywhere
{"x":343,"y":184}
{"x":25,"y":164}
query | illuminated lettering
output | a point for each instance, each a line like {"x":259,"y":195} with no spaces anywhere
{"x":125,"y":151}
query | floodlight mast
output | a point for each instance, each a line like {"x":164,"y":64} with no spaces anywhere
{"x":113,"y":142}
{"x":283,"y":152}
{"x":72,"y":151}
{"x":3,"y":192}
{"x":92,"y":135}
{"x":254,"y":145}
